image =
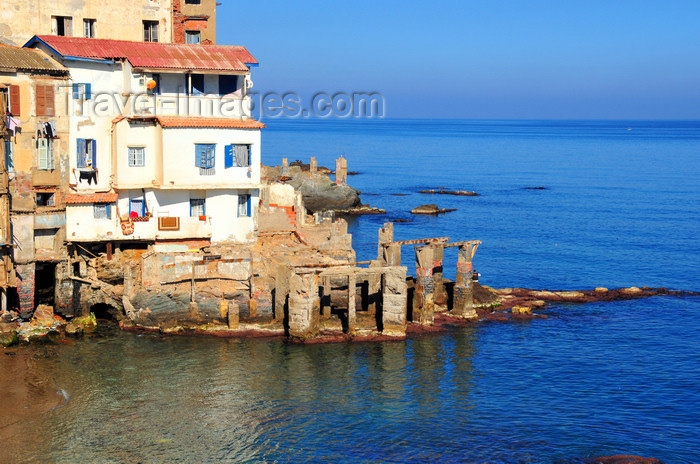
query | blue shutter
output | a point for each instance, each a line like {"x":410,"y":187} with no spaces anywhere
{"x":76,"y":91}
{"x":228,"y":156}
{"x":199,"y":155}
{"x":248,"y":206}
{"x":81,"y":153}
{"x":88,"y":93}
{"x":108,"y":209}
{"x":94,"y":153}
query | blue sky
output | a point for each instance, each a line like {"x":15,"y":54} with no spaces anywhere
{"x":558,"y":59}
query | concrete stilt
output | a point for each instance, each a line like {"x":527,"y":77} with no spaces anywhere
{"x":386,"y":236}
{"x":304,"y":305}
{"x":233,"y":315}
{"x":281,"y":290}
{"x":341,"y":171}
{"x":313,"y":165}
{"x":352,"y":315}
{"x":439,"y":292}
{"x":394,"y":301}
{"x":327,"y":295}
{"x":464,"y":287}
{"x":423,"y":303}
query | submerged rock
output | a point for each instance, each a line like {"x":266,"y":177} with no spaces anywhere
{"x":464,"y":193}
{"x":430,"y":209}
{"x":80,"y":325}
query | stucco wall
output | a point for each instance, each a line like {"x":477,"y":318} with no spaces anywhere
{"x":116,"y":19}
{"x":180,"y":171}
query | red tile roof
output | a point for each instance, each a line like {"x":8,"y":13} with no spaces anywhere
{"x":175,"y":121}
{"x":76,"y":199}
{"x":154,"y":55}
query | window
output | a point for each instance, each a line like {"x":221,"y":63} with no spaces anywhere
{"x":196,"y":84}
{"x":155,"y":90}
{"x":244,"y":206}
{"x":89,"y":28}
{"x":197,"y":207}
{"x":45,"y":100}
{"x":150,"y":31}
{"x":62,"y":25}
{"x":45,"y":198}
{"x":45,"y":159}
{"x":237,"y":155}
{"x":136,"y":156}
{"x":193,"y":37}
{"x":82,"y":91}
{"x":137,"y":208}
{"x":205,"y":155}
{"x":9,"y":156}
{"x":102,"y":211}
{"x":193,"y":2}
{"x":86,"y":154}
{"x":228,"y":84}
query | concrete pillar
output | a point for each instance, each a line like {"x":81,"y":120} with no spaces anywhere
{"x":423,"y":302}
{"x":352,"y":315}
{"x":304,"y":305}
{"x":341,"y":171}
{"x":285,"y":167}
{"x":233,"y":315}
{"x":374,"y":282}
{"x":313,"y":165}
{"x":464,"y":288}
{"x":326,"y":310}
{"x":393,"y":320}
{"x":386,"y":235}
{"x":300,"y":210}
{"x":281,"y":290}
{"x":25,"y":288}
{"x":392,"y":254}
{"x":439,"y":292}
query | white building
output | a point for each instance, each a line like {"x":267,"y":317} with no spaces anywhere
{"x":162,"y":148}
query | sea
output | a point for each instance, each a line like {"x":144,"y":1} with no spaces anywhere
{"x":562,"y":205}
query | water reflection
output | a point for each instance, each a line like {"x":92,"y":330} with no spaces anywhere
{"x":515,"y":393}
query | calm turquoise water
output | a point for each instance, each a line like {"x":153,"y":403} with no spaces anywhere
{"x":622,"y":208}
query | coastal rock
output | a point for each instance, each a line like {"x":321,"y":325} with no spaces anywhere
{"x":43,"y":316}
{"x":631,"y":290}
{"x":319,"y":193}
{"x":601,"y":289}
{"x":8,"y":338}
{"x":360,"y":210}
{"x":463,"y":193}
{"x":430,"y":209}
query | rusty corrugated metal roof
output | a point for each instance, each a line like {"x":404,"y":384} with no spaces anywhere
{"x":77,"y":199}
{"x":175,"y":121}
{"x":154,"y":55}
{"x":26,"y":59}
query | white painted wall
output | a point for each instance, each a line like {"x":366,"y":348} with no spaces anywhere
{"x":144,"y":134}
{"x":180,"y":171}
{"x":222,"y":223}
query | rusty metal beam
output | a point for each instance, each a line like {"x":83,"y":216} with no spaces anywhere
{"x":419,"y":241}
{"x":462,"y":243}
